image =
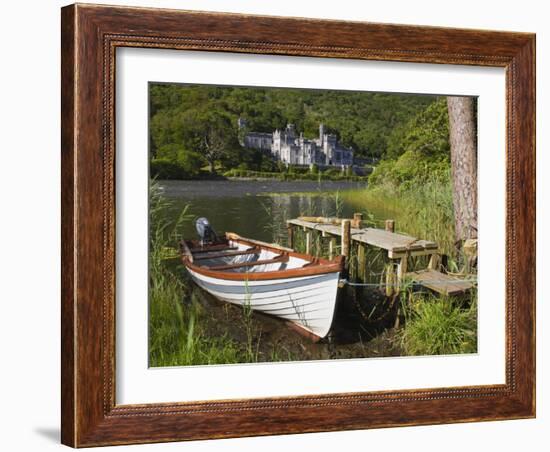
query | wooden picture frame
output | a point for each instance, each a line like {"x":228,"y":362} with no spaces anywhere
{"x":90,"y":36}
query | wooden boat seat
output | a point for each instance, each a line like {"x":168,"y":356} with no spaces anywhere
{"x":282,"y":258}
{"x":254,"y":250}
{"x":209,"y":248}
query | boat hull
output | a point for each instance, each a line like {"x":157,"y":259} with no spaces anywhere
{"x":308,"y":302}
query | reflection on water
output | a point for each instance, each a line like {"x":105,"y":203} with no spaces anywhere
{"x":257,"y":209}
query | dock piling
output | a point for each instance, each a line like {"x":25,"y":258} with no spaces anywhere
{"x":346,"y":240}
{"x":290,"y":234}
{"x":361,"y":262}
{"x":399,"y":248}
{"x":357,"y":220}
{"x":331,"y":247}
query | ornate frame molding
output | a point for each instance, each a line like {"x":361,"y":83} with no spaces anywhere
{"x":90,"y":37}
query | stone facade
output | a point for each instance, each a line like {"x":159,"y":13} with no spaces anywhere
{"x":286,"y":146}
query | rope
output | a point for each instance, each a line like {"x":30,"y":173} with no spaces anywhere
{"x":355,"y":284}
{"x":383,"y":315}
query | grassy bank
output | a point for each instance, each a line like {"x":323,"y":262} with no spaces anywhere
{"x":175,"y":336}
{"x":182,"y":330}
{"x":298,"y":176}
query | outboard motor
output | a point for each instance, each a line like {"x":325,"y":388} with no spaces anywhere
{"x":205,"y":231}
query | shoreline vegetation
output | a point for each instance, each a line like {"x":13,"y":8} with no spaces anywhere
{"x":412,"y":180}
{"x":163,"y":170}
{"x":183,"y":331}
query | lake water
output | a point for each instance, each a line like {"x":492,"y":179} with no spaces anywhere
{"x":258,"y":209}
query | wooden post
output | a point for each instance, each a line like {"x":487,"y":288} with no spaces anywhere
{"x":308,"y":242}
{"x":331,"y":247}
{"x":346,"y":240}
{"x":401,"y":270}
{"x":390,"y":225}
{"x":434,"y":263}
{"x":358,"y":220}
{"x":390,"y":279}
{"x":290,"y":234}
{"x":361,"y":261}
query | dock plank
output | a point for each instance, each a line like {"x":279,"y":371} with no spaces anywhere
{"x":392,"y":242}
{"x":440,"y":282}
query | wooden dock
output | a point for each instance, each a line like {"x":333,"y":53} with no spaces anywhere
{"x":440,"y":282}
{"x":399,"y":247}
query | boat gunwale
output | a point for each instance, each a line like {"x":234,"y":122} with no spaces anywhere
{"x":321,"y":266}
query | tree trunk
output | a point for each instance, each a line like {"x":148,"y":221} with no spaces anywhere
{"x":463,"y":140}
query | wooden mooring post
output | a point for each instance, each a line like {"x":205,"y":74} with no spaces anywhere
{"x":346,"y":241}
{"x":361,"y":262}
{"x":357,"y":220}
{"x":290,"y":234}
{"x":331,"y":247}
{"x":393,"y":274}
{"x":308,"y":242}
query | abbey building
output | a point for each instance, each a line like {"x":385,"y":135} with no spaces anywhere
{"x":286,"y":146}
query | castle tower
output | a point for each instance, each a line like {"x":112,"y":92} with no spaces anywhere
{"x":241,"y":123}
{"x":321,"y":132}
{"x":290,"y":130}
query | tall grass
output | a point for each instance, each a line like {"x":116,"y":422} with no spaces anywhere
{"x":180,"y":329}
{"x":175,"y":336}
{"x":433,"y":324}
{"x":438,"y":326}
{"x":424,"y":210}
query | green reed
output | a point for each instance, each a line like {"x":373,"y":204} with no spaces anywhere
{"x":437,"y":325}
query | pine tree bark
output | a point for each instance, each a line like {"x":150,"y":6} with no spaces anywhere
{"x":463,"y":140}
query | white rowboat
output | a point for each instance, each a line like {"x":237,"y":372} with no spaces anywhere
{"x":268,"y":278}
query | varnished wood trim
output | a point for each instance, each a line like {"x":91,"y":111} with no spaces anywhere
{"x":91,"y":35}
{"x":323,"y":266}
{"x":219,"y":273}
{"x":68,"y":221}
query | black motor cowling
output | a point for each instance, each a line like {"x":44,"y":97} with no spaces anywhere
{"x":206,"y":233}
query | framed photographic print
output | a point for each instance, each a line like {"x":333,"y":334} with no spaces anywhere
{"x":281,"y":225}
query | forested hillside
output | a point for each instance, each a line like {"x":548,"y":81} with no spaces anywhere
{"x":374,"y":124}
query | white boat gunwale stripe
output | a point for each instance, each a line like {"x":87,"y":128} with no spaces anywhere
{"x":260,"y":282}
{"x":253,"y":288}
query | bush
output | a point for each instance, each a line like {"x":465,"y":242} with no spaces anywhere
{"x":165,"y":169}
{"x":268,"y":165}
{"x":409,"y":171}
{"x":173,"y":161}
{"x":332,"y":172}
{"x":190,"y":162}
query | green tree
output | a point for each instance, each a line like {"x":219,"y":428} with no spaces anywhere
{"x":365,"y":121}
{"x":419,"y":150}
{"x":210,"y":133}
